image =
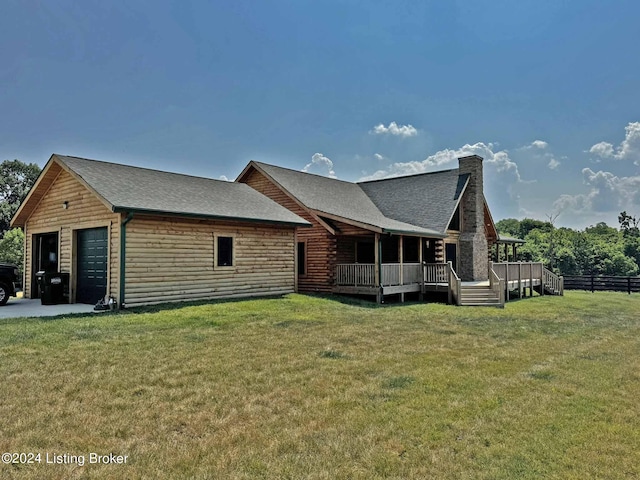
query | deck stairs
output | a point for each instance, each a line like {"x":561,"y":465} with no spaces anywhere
{"x":479,"y":295}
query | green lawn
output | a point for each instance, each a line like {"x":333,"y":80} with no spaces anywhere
{"x":310,"y":387}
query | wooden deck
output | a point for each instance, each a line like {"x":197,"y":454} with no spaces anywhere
{"x":396,"y":278}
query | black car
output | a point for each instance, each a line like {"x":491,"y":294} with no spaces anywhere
{"x":9,"y":282}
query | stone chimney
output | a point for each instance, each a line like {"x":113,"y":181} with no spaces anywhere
{"x":474,"y":250}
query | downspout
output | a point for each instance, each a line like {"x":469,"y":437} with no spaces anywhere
{"x":123,"y":255}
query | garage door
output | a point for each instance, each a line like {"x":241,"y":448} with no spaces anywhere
{"x":91,"y":283}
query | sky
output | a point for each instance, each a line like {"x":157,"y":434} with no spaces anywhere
{"x":545,"y":91}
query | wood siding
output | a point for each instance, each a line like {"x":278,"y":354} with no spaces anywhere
{"x":321,"y":244}
{"x":173,"y":259}
{"x":84,"y":210}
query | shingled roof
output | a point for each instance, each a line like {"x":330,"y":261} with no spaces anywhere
{"x":428,"y":199}
{"x":125,"y":188}
{"x":345,"y":200}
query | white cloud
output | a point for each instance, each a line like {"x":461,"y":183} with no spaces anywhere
{"x":629,"y":148}
{"x":553,"y":163}
{"x":321,"y":162}
{"x":536,"y":144}
{"x":536,"y":148}
{"x":378,"y":157}
{"x":608,"y":193}
{"x":602,"y":149}
{"x":394,"y":129}
{"x":224,"y":178}
{"x":499,"y":160}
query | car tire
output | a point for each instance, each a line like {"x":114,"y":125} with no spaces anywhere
{"x":4,"y":294}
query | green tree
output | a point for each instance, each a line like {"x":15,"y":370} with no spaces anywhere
{"x":509,"y":227}
{"x":629,"y":224}
{"x":598,"y":250}
{"x":12,"y":247}
{"x":16,"y":178}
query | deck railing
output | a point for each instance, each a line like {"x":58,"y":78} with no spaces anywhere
{"x":356,"y":274}
{"x":364,"y":274}
{"x":411,"y":273}
{"x":454,"y":285}
{"x":553,"y":282}
{"x":497,"y":285}
{"x":527,"y":274}
{"x":436,"y":273}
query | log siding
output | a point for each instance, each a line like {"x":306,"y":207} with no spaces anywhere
{"x":84,"y":210}
{"x":174,"y":259}
{"x":320,"y":243}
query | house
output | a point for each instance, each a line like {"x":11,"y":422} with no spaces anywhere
{"x":143,"y":236}
{"x":374,"y":237}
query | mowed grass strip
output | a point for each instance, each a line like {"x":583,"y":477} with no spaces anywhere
{"x":311,"y":387}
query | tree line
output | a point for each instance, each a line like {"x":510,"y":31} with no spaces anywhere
{"x":596,"y":250}
{"x":16,"y":179}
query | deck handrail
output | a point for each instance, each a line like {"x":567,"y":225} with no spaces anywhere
{"x":436,"y":273}
{"x":363,"y":274}
{"x":497,"y":285}
{"x":454,"y":284}
{"x":356,"y":274}
{"x":553,"y":282}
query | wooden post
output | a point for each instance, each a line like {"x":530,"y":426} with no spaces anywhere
{"x":506,"y":280}
{"x":378,"y":269}
{"x":401,"y":258}
{"x":519,"y":279}
{"x":531,"y":279}
{"x":449,"y":280}
{"x":295,"y":260}
{"x":506,"y":253}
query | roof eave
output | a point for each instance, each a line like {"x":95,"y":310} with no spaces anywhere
{"x":413,"y":233}
{"x":17,"y":220}
{"x":149,"y":211}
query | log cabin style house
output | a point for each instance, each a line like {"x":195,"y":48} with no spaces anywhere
{"x":143,"y":236}
{"x":374,"y":238}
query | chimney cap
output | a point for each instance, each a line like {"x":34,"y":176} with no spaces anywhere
{"x":470,"y":157}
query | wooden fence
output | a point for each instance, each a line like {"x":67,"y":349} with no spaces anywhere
{"x":596,"y":283}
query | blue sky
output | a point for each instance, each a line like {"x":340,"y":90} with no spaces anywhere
{"x":545,"y":91}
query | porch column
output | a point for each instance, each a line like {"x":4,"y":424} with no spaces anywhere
{"x":420,"y":245}
{"x":401,"y":258}
{"x":377,"y":268}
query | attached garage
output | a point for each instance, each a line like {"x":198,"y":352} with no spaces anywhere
{"x":143,"y":236}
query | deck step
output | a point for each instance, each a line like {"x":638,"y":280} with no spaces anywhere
{"x":475,"y":295}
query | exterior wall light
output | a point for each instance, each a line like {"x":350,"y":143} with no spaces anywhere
{"x":65,"y":205}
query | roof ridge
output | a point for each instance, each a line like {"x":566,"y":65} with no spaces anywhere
{"x":305,"y":173}
{"x":407,"y":176}
{"x":141,"y":168}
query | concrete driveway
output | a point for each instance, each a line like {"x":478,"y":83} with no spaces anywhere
{"x":26,"y":307}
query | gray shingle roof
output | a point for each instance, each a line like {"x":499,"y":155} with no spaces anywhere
{"x":140,"y":189}
{"x":342,"y":199}
{"x":428,"y":199}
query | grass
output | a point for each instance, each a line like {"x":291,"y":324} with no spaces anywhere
{"x":312,"y":387}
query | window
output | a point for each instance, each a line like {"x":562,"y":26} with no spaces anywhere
{"x":302,"y":258}
{"x":225,"y":251}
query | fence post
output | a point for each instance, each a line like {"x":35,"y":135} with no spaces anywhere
{"x":592,"y":288}
{"x":629,"y":285}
